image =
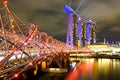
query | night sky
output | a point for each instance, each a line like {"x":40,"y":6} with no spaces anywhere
{"x":51,"y":18}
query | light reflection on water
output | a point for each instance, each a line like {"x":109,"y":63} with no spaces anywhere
{"x":95,"y":69}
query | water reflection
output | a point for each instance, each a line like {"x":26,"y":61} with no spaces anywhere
{"x":94,"y":69}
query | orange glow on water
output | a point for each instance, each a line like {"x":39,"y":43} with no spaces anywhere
{"x":81,"y":70}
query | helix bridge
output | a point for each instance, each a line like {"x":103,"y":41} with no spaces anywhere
{"x":23,"y":46}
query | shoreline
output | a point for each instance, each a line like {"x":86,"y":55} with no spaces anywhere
{"x":98,"y":56}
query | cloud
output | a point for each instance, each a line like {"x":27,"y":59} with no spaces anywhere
{"x":51,"y":18}
{"x":110,"y":29}
{"x":48,"y":15}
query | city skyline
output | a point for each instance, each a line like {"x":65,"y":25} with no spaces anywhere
{"x":52,"y":19}
{"x":32,"y":35}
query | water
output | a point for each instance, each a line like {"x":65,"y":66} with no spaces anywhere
{"x":50,"y":76}
{"x":89,"y":69}
{"x":81,"y":69}
{"x":95,"y":69}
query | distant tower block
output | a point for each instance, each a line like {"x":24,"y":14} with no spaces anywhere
{"x":104,"y":41}
{"x":93,"y":33}
{"x":90,"y":32}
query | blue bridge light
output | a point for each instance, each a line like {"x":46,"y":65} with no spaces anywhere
{"x":68,"y":9}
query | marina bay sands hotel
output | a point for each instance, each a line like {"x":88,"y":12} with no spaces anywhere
{"x":87,"y":32}
{"x":80,"y":32}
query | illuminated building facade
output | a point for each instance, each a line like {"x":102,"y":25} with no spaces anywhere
{"x":79,"y":32}
{"x":69,"y":37}
{"x":88,"y":35}
{"x":76,"y":38}
{"x":93,"y":33}
{"x":84,"y":32}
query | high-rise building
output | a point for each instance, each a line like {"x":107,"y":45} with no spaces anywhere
{"x":83,"y":32}
{"x":80,"y":32}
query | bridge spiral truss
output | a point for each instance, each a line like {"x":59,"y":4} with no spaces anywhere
{"x":22,"y":45}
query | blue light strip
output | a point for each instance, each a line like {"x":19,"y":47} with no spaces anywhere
{"x":79,"y":31}
{"x":67,"y":9}
{"x":88,"y":23}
